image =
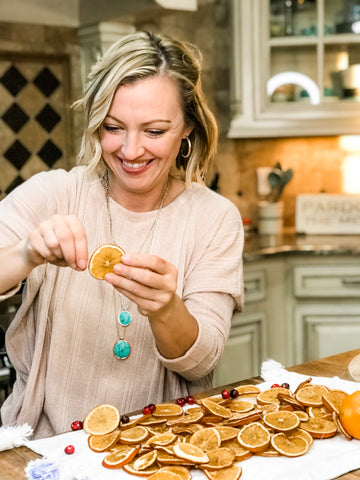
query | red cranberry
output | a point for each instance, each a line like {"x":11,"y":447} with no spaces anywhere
{"x":225,"y":394}
{"x":275,"y":385}
{"x":69,"y":450}
{"x":181,"y":401}
{"x":152,"y":407}
{"x":124,"y":419}
{"x":190,"y":400}
{"x":285,"y":385}
{"x":234,"y":393}
{"x":146,"y":410}
{"x":77,"y":425}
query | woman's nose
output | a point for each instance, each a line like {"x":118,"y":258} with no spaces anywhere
{"x":132,"y":147}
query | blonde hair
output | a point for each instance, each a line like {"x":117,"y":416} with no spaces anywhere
{"x":141,"y":55}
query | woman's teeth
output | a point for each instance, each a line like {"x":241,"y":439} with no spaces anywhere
{"x":134,"y":165}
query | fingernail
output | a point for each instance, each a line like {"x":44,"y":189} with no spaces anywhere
{"x":82,"y":264}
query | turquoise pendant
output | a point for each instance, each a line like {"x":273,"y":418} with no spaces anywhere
{"x":125,"y":318}
{"x":122,"y":349}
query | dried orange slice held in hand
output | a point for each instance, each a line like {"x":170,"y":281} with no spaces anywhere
{"x":102,"y":419}
{"x":103,"y":260}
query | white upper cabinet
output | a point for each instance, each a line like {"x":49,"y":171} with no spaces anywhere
{"x":295,"y":68}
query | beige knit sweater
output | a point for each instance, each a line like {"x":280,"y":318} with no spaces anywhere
{"x":61,"y":340}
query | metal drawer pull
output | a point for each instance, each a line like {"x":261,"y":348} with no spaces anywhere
{"x":351,"y":282}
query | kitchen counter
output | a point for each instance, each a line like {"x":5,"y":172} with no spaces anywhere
{"x":258,"y":247}
{"x":13,"y":462}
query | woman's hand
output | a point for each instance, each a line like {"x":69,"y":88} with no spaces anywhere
{"x":60,"y":240}
{"x":150,"y":282}
{"x":147,"y":280}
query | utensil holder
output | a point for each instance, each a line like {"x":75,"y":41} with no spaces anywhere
{"x":271,"y":218}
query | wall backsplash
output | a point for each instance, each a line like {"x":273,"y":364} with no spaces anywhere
{"x":36,"y":90}
{"x":317,"y":162}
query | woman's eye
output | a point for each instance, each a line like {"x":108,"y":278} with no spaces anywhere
{"x":155,"y":133}
{"x":111,"y":128}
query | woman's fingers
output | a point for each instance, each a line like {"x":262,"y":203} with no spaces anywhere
{"x":60,"y":240}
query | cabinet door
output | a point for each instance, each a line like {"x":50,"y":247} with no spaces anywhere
{"x":294,"y":69}
{"x":244,"y":349}
{"x":324,"y":329}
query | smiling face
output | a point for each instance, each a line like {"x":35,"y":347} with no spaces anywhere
{"x":140,"y":139}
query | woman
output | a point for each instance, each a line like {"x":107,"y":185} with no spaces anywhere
{"x":148,"y":139}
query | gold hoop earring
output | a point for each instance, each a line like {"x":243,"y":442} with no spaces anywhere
{"x":189,"y":148}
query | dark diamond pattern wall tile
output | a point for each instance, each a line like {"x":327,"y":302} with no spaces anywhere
{"x":15,"y":183}
{"x":32,"y":117}
{"x":49,"y":153}
{"x":17,"y":154}
{"x":46,"y":82}
{"x":15,"y":117}
{"x":13,"y":80}
{"x":48,"y":118}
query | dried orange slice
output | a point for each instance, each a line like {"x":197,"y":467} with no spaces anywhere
{"x":102,"y":419}
{"x":311,"y":395}
{"x":303,"y":416}
{"x":151,"y":420}
{"x":190,"y":452}
{"x":333,"y":400}
{"x":241,"y":406}
{"x":187,"y":419}
{"x":239,"y":451}
{"x":215,"y":409}
{"x":220,"y":458}
{"x":161,"y":439}
{"x":183,"y":472}
{"x":156,"y":429}
{"x":120,"y":456}
{"x":164,"y":475}
{"x":247,"y":390}
{"x":100,"y":443}
{"x":206,"y":439}
{"x":281,"y":421}
{"x":145,"y":472}
{"x":289,"y":446}
{"x":269,"y":452}
{"x":145,"y":460}
{"x":271,"y":395}
{"x":319,"y":427}
{"x":299,"y":432}
{"x":134,"y":435}
{"x":319,"y":412}
{"x":103,"y":259}
{"x":167,"y":458}
{"x":231,"y":473}
{"x":255,"y":437}
{"x":167,"y":410}
{"x":226,"y":433}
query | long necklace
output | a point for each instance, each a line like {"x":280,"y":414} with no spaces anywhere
{"x":122,"y":347}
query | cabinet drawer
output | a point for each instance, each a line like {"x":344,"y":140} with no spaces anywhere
{"x":254,"y":286}
{"x":327,"y":281}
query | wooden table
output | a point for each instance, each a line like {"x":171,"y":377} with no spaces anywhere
{"x":13,"y":462}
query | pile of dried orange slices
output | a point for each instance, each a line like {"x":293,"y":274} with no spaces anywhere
{"x":217,"y":433}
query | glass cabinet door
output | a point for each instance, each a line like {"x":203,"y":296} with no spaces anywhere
{"x":318,"y":39}
{"x":296,"y":68}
